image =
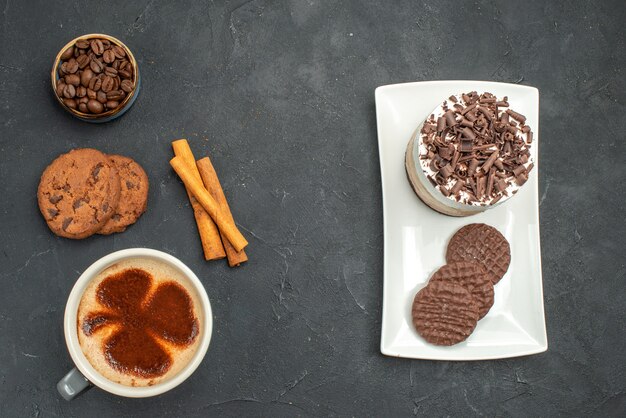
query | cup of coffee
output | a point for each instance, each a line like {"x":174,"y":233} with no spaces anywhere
{"x":138,"y":322}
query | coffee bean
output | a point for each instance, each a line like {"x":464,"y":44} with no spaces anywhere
{"x":83,"y":100}
{"x":83,"y":61}
{"x":126,"y":85}
{"x":125,"y":73}
{"x":83,"y":107}
{"x":86,"y":77}
{"x":70,"y":67}
{"x":115,"y":95}
{"x":72,"y":79}
{"x":107,"y":84}
{"x":71,"y":103}
{"x":81,"y":91}
{"x":116,"y":64}
{"x":96,"y":66}
{"x":110,"y":71}
{"x":112,"y":104}
{"x":69,"y":91}
{"x":82,"y":43}
{"x":97,"y":47}
{"x":116,"y":83}
{"x":118,"y":51}
{"x":108,"y":56}
{"x":95,"y":106}
{"x":67,"y":54}
{"x":106,"y":43}
{"x":95,"y":83}
{"x":60,"y":87}
{"x":91,"y":94}
{"x":101,"y":96}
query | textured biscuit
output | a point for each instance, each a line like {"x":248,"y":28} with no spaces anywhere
{"x":471,"y":276}
{"x":444,"y":313}
{"x":134,"y":195}
{"x":78,"y":193}
{"x":483,"y":244}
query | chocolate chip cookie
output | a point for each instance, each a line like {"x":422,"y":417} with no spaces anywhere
{"x":471,"y":276}
{"x":444,"y":313}
{"x":78,"y":193}
{"x":484,"y":245}
{"x":134,"y":195}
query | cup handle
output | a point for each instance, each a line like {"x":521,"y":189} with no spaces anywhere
{"x":73,"y":384}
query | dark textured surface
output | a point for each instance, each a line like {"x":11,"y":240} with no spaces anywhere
{"x":281,"y":95}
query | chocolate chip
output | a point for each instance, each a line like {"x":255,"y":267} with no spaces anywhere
{"x":67,"y":222}
{"x":52,"y":212}
{"x":96,"y":171}
{"x":130,"y":185}
{"x":77,"y":203}
{"x":54,"y":199}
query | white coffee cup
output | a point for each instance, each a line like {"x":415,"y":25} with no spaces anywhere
{"x":83,"y":376}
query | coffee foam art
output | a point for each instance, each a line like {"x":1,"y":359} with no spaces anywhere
{"x":140,"y":322}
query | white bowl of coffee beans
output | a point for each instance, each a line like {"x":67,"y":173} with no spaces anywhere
{"x":95,"y":77}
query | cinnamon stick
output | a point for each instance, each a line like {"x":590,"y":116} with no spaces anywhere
{"x":212,"y":183}
{"x":209,"y":234}
{"x":195,"y":186}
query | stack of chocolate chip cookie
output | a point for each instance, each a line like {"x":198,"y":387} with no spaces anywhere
{"x":446,"y":311}
{"x":84,"y":192}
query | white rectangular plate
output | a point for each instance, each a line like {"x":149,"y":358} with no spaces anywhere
{"x":416,"y":236}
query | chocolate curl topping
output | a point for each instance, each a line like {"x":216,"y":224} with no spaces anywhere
{"x":485,"y":112}
{"x":467,"y":123}
{"x":441,"y":123}
{"x":450,"y":120}
{"x":473,"y":165}
{"x":467,"y":132}
{"x":501,"y":185}
{"x":466,"y":146}
{"x":457,"y":187}
{"x":517,"y":116}
{"x":490,"y":180}
{"x":496,"y":199}
{"x":444,"y":191}
{"x":455,"y":158}
{"x":529,"y":137}
{"x":452,"y":98}
{"x":487,"y":166}
{"x":481,"y":186}
{"x":446,"y":171}
{"x":519,"y":170}
{"x":468,"y":108}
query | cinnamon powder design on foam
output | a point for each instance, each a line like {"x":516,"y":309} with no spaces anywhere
{"x":142,"y":322}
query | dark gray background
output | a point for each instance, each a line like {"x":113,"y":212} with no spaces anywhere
{"x":281,"y":95}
